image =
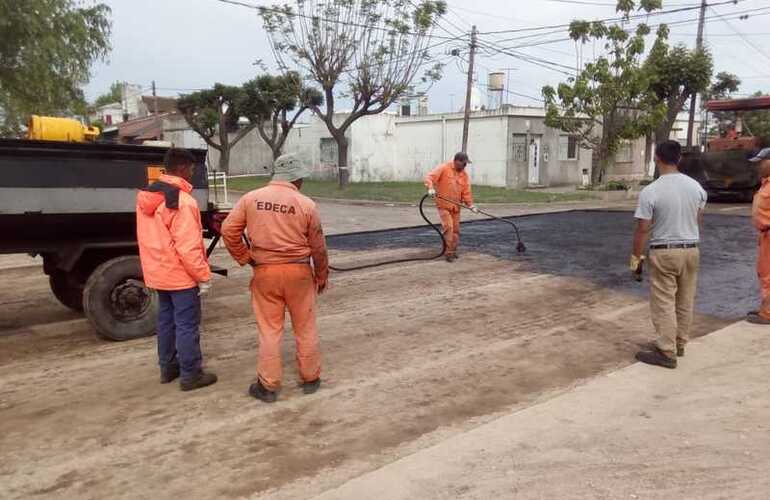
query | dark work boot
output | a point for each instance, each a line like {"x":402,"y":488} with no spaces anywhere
{"x":203,"y":379}
{"x":756,"y":319}
{"x":311,"y":387}
{"x":257,"y":390}
{"x":656,"y":357}
{"x":169,"y":372}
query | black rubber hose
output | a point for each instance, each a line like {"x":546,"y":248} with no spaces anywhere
{"x":520,"y":247}
{"x":401,"y":261}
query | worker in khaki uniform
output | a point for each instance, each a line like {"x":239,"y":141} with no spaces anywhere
{"x":287,"y":250}
{"x":669,"y":214}
{"x":760,"y":216}
{"x":450,"y":181}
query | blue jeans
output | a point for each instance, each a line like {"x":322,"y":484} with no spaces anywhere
{"x":178,"y":331}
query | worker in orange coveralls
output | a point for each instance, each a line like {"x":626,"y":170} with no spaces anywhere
{"x":760,"y":216}
{"x":287,"y":250}
{"x":450,"y":181}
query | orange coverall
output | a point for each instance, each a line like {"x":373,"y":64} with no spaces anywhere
{"x":171,"y":247}
{"x":760,"y":216}
{"x":456,"y":186}
{"x":284,"y":231}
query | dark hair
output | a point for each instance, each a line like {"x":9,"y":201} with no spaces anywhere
{"x":669,"y":152}
{"x":461,"y":157}
{"x":176,"y":159}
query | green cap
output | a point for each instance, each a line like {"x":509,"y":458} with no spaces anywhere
{"x":289,"y":168}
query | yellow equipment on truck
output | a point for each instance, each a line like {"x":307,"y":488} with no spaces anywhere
{"x":49,"y":128}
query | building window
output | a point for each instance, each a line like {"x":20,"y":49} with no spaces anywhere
{"x":108,"y":119}
{"x":328,"y":151}
{"x":624,"y":153}
{"x":568,"y":147}
{"x":520,"y":148}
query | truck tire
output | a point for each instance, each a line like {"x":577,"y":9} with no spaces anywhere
{"x":116,"y":302}
{"x":67,"y":289}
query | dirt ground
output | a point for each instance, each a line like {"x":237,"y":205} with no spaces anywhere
{"x":412,"y":354}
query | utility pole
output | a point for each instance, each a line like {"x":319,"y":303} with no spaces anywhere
{"x":467,"y":119}
{"x":694,"y":98}
{"x":154,"y":99}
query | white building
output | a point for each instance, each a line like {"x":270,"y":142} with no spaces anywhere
{"x":511,"y":147}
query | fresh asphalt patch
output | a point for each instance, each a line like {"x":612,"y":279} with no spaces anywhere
{"x":595,"y":245}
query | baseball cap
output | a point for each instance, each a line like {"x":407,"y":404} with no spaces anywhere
{"x":288,"y":168}
{"x":463,"y":157}
{"x":764,"y":154}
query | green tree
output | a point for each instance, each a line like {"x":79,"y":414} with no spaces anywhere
{"x":269,"y":102}
{"x":723,"y":86}
{"x":46,"y":51}
{"x":114,"y":95}
{"x":214,"y":115}
{"x":676,"y":73}
{"x":757,"y":123}
{"x":609,"y":100}
{"x":365,"y":51}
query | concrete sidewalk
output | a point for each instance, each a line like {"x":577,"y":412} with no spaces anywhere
{"x":700,"y":431}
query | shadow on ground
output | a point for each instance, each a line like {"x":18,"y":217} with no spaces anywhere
{"x":595,"y":245}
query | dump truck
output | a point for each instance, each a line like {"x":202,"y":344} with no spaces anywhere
{"x":72,"y":202}
{"x":723,"y":168}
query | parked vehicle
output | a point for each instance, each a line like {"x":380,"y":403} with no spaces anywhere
{"x":73,"y":204}
{"x":723,"y":168}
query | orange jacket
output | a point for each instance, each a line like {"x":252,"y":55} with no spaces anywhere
{"x":171,"y":240}
{"x":451,"y":184}
{"x":282,"y":226}
{"x":760,"y":208}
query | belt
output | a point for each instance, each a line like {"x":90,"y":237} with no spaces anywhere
{"x":667,"y":246}
{"x":306,"y":260}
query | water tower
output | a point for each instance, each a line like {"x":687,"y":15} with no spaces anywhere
{"x":496,"y":88}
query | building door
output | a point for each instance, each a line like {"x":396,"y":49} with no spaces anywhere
{"x":534,"y":161}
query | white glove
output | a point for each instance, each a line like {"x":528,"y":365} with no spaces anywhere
{"x":474,"y":209}
{"x":204,"y":288}
{"x":432,"y":192}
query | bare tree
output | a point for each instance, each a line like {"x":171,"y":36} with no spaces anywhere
{"x":367,"y":52}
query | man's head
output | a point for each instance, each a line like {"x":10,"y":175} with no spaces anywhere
{"x":289,"y":168}
{"x":668,"y":154}
{"x":762,"y":161}
{"x":460,"y":161}
{"x":179,"y":162}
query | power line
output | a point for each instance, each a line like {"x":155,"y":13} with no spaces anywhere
{"x":518,"y":94}
{"x":760,"y":11}
{"x":744,"y":38}
{"x":544,"y":63}
{"x":261,"y":8}
{"x":600,"y":4}
{"x":618,"y":19}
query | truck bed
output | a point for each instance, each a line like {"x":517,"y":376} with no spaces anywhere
{"x":53,"y":192}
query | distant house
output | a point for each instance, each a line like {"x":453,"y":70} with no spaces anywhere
{"x":139,"y":130}
{"x":110,"y":114}
{"x":148,"y":104}
{"x":133,"y":106}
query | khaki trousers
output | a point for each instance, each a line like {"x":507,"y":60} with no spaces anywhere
{"x":673,"y":281}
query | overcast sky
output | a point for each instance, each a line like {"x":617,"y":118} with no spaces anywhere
{"x":189,"y":44}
